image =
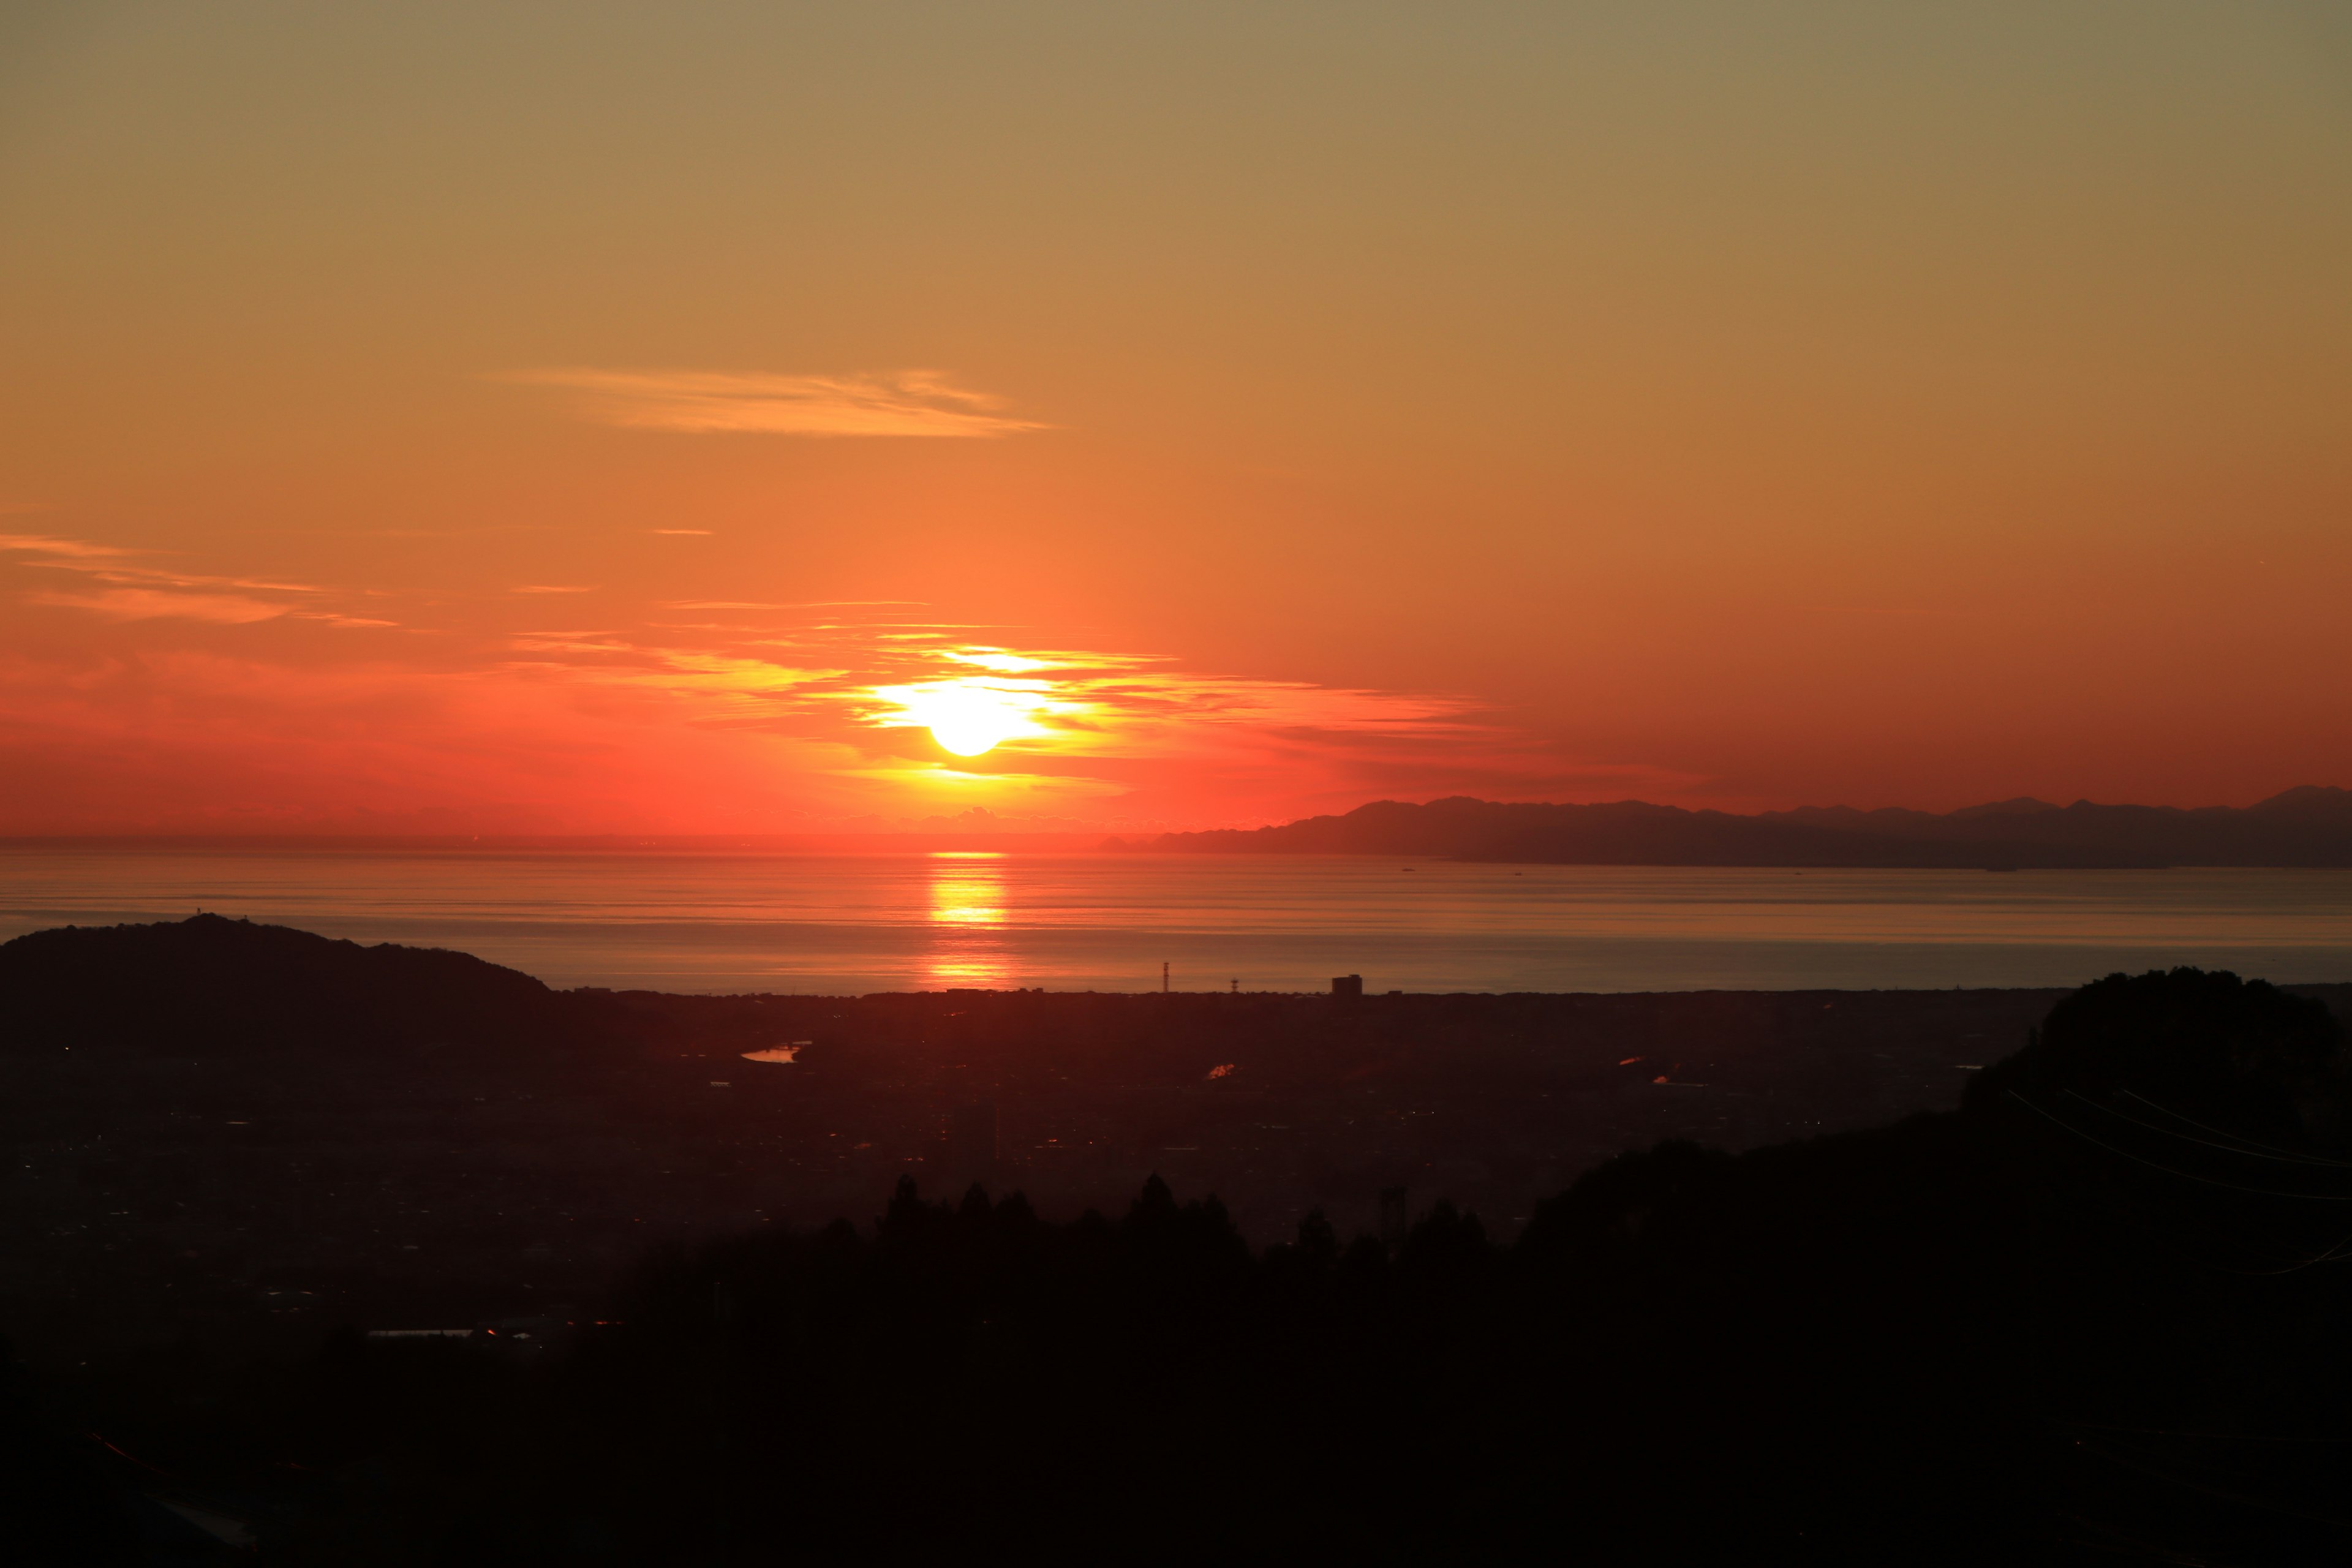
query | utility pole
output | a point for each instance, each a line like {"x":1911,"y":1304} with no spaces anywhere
{"x":1163,"y":977}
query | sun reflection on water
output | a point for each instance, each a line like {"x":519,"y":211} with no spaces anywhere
{"x":967,"y":889}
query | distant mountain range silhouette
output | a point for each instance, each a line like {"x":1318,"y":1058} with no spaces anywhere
{"x":2310,"y":826}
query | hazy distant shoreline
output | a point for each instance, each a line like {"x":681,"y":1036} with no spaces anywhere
{"x":2309,"y":827}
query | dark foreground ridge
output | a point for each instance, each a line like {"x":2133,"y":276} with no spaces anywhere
{"x":2311,"y":827}
{"x":211,"y":985}
{"x":2090,"y":1313}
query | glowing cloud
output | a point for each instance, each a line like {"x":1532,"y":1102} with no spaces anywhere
{"x":134,"y":592}
{"x":849,"y":711}
{"x":43,"y":544}
{"x":898,"y":402}
{"x":151,"y":603}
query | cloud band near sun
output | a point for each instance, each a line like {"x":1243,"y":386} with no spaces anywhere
{"x":894,"y":402}
{"x":734,"y":714}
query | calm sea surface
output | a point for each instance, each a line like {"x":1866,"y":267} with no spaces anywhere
{"x":864,"y":923}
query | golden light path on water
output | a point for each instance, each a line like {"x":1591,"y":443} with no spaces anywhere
{"x":967,"y":893}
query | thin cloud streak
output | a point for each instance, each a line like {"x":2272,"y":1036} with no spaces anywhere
{"x":153,"y":604}
{"x":151,"y":594}
{"x":43,"y":544}
{"x":892,"y":402}
{"x":104,"y":563}
{"x":802,"y":604}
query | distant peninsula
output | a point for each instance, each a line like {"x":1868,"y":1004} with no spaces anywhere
{"x":2309,"y":827}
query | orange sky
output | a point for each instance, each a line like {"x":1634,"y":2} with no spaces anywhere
{"x":619,"y":417}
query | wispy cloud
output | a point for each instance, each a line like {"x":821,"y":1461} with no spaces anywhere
{"x":136,"y":592}
{"x":155,"y":603}
{"x":798,"y":605}
{"x":892,"y":402}
{"x":553,"y":588}
{"x":334,"y":619}
{"x":682,"y":533}
{"x":43,"y":544}
{"x":145,"y":577}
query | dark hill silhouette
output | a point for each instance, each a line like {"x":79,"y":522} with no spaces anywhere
{"x":2093,"y":1315}
{"x":1992,"y":1335}
{"x":2249,"y":1064}
{"x":2306,"y":826}
{"x":210,"y":984}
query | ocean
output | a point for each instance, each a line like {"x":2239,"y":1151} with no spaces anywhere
{"x":855,"y":925}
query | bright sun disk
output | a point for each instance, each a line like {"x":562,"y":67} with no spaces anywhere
{"x":968,"y":715}
{"x":971,"y":720}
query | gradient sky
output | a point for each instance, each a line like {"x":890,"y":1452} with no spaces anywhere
{"x":587,"y":417}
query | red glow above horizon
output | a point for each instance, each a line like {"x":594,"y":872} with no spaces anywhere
{"x":1728,"y":411}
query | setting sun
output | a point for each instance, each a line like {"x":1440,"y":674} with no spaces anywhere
{"x":971,"y":716}
{"x":974,"y":724}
